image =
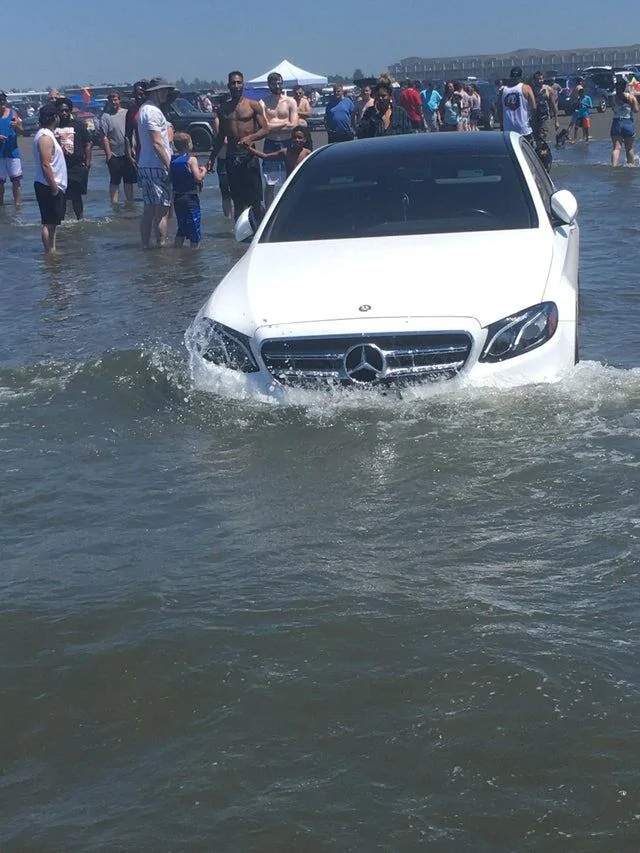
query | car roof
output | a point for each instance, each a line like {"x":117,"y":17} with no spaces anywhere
{"x":488,"y":143}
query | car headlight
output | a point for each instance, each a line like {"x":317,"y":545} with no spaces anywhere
{"x":220,"y":345}
{"x":520,"y":332}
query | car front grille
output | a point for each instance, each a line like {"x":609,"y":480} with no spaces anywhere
{"x":367,"y":359}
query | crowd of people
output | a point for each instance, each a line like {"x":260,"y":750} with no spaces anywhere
{"x":141,"y":148}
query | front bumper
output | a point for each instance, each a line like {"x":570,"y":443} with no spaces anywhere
{"x":547,"y":363}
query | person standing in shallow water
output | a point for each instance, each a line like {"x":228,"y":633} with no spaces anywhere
{"x":73,"y":137}
{"x":114,"y":141}
{"x":623,"y":132}
{"x":154,"y":161}
{"x":10,"y":165}
{"x":186,"y":179}
{"x":242,"y":122}
{"x":50,"y":175}
{"x":281,"y":113}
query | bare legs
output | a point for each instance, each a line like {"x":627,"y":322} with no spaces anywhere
{"x":114,"y":193}
{"x":17,"y":191}
{"x":616,"y":151}
{"x":269,"y":195}
{"x":48,"y":235}
{"x":631,"y":154}
{"x":77,"y":205}
{"x":154,"y":219}
{"x":227,"y":208}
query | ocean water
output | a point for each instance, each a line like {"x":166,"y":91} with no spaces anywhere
{"x":338,"y":623}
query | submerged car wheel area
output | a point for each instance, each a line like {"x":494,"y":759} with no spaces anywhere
{"x":403,"y":260}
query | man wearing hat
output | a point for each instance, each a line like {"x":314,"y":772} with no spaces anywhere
{"x":10,"y":165}
{"x":50,"y":175}
{"x":154,"y":160}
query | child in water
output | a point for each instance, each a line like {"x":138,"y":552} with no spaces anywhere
{"x":298,"y":149}
{"x":186,"y":179}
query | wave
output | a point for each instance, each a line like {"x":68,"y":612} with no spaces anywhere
{"x":588,"y":383}
{"x":156,"y":377}
{"x":139,"y":371}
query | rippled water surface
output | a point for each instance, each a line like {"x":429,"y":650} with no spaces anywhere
{"x":343,"y":623}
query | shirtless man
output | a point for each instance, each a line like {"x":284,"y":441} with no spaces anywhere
{"x":281,"y":113}
{"x":242,"y":122}
{"x":304,"y":107}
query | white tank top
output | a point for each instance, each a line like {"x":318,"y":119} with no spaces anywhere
{"x":515,"y":110}
{"x":58,"y":163}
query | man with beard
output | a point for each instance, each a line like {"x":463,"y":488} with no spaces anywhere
{"x":242,"y":122}
{"x":114,"y":141}
{"x":154,"y":162}
{"x":73,"y":137}
{"x":281,"y":113}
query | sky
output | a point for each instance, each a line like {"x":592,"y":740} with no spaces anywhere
{"x":53,"y":43}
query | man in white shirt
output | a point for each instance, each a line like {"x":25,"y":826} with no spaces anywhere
{"x":50,"y":175}
{"x":154,"y":160}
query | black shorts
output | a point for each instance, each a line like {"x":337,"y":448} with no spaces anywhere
{"x":52,"y":207}
{"x":121,"y":169}
{"x":245,"y":181}
{"x":223,"y":180}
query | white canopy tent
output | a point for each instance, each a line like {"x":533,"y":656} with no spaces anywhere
{"x":292,"y":76}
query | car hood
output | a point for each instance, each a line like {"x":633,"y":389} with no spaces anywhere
{"x":483,"y":275}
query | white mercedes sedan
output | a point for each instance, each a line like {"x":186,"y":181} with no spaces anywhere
{"x":405,"y":259}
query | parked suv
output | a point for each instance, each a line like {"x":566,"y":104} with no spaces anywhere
{"x":599,"y":85}
{"x":188,"y":119}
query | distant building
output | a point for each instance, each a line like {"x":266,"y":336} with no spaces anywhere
{"x":491,"y":67}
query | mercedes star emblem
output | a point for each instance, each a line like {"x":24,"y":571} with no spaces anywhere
{"x":364,"y":308}
{"x":364,"y":363}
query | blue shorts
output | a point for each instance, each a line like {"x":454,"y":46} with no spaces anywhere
{"x":623,"y":128}
{"x":187,"y":208}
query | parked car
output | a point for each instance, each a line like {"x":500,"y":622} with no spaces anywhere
{"x":30,"y":123}
{"x":599,"y":85}
{"x":316,"y":120}
{"x":187,"y":118}
{"x":381,"y":209}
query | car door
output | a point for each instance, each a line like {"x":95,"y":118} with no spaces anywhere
{"x":566,"y":241}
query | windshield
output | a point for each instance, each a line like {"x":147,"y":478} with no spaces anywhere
{"x":182,"y":106}
{"x":379,"y":195}
{"x":602,"y":79}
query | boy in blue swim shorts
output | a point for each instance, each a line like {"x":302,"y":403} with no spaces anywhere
{"x":186,"y":179}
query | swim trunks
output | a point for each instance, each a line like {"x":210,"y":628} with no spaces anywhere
{"x":155,"y":185}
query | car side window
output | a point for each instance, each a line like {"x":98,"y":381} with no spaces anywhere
{"x":542,"y":179}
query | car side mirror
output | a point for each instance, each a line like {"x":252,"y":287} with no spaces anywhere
{"x":244,"y":228}
{"x":564,"y":207}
